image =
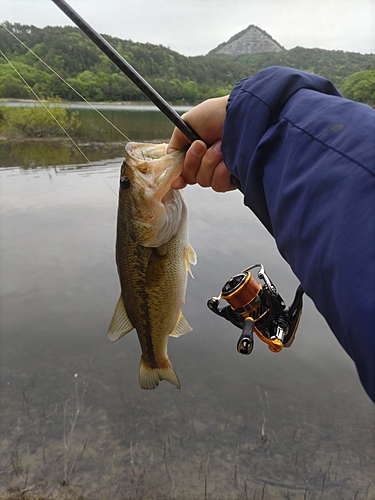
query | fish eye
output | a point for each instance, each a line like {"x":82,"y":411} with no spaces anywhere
{"x":124,"y":183}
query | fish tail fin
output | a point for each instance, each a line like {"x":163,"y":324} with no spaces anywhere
{"x":149,"y":377}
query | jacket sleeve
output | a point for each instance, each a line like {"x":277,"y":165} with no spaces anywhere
{"x":305,"y":160}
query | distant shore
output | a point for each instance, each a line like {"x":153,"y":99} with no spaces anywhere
{"x":35,"y":101}
{"x":131,"y":105}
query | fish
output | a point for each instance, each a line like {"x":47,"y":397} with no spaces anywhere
{"x":153,"y":257}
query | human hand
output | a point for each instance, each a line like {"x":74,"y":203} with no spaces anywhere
{"x":203,"y":164}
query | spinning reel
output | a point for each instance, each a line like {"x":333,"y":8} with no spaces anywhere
{"x":258,"y":308}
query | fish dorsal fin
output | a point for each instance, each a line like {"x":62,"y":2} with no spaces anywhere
{"x":190,"y":257}
{"x":181,"y":327}
{"x":120,"y":323}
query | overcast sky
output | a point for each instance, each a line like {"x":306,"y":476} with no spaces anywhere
{"x":193,"y":27}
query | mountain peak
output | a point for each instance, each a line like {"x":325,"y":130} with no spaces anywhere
{"x":251,"y":40}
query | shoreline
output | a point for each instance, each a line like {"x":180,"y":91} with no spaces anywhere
{"x":119,"y":105}
{"x":57,"y":138}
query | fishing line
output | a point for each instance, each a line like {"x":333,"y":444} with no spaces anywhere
{"x":55,"y":119}
{"x":66,"y":83}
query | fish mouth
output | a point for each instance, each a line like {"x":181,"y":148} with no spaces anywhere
{"x":146,"y":150}
{"x":140,"y":154}
{"x":154,"y":166}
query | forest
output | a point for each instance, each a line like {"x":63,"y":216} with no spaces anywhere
{"x":179,"y":79}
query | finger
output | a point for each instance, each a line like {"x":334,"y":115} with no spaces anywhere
{"x":221,"y":179}
{"x":211,"y":159}
{"x":192,"y":161}
{"x":178,"y":140}
{"x":178,"y":183}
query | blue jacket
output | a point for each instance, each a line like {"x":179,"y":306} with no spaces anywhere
{"x":305,"y":160}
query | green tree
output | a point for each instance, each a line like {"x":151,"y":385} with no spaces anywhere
{"x":360,"y":87}
{"x":174,"y":89}
{"x":11,"y":87}
{"x":88,"y":84}
{"x":190,"y":90}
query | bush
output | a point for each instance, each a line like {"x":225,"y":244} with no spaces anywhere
{"x":360,"y":87}
{"x":36,"y":121}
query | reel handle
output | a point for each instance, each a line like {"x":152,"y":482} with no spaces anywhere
{"x":245,"y":343}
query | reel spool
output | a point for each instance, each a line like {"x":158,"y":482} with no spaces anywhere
{"x":258,"y":308}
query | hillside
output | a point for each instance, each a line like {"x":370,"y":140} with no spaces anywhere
{"x":176,"y":77}
{"x":336,"y":65}
{"x":80,"y":62}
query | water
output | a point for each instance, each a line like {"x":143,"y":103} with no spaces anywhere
{"x":74,"y":421}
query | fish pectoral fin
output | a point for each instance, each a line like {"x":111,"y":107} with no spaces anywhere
{"x":190,"y":257}
{"x":155,"y":268}
{"x":181,"y":327}
{"x":149,"y":377}
{"x":120,"y":324}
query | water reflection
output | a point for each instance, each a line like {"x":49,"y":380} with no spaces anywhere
{"x":75,"y":422}
{"x":35,"y":153}
{"x":138,"y":126}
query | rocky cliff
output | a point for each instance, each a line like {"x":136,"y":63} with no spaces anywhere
{"x":252,"y":40}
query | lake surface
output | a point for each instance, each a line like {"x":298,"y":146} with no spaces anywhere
{"x":74,"y":421}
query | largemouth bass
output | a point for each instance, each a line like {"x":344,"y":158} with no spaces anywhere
{"x":153,"y":257}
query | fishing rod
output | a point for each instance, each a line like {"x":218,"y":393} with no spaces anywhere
{"x":252,"y":307}
{"x":129,"y":71}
